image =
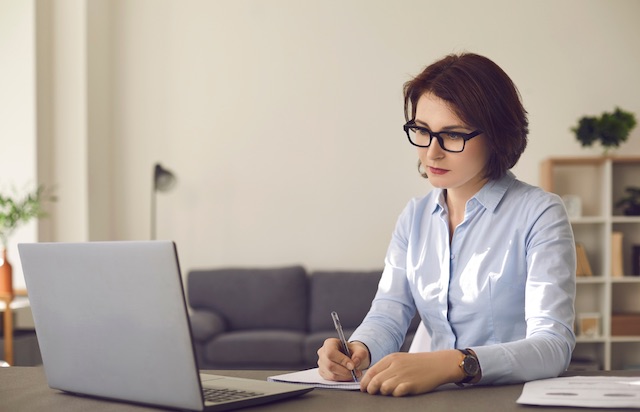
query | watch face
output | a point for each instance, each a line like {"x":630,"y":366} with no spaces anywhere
{"x":470,"y":366}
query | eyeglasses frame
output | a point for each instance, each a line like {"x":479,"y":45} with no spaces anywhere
{"x":465,"y":136}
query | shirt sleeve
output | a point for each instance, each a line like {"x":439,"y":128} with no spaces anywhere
{"x":549,"y":305}
{"x":384,"y":328}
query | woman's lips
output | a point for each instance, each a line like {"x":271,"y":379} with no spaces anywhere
{"x":437,"y":171}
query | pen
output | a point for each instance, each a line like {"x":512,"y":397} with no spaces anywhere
{"x":343,"y":341}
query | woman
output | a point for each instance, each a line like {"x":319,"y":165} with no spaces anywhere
{"x":486,"y":260}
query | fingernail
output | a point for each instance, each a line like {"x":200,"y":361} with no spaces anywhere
{"x":350,"y":366}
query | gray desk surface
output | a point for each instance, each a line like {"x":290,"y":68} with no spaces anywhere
{"x":25,"y":389}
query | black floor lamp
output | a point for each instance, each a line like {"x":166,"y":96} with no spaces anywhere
{"x":163,"y":181}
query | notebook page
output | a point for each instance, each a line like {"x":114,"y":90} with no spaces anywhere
{"x":312,"y":377}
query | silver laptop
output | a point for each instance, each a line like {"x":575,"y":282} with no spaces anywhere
{"x":111,"y":322}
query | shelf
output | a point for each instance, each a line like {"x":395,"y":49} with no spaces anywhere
{"x":625,"y":339}
{"x":588,"y":280}
{"x":598,"y":183}
{"x":625,"y":219}
{"x":588,"y":220}
{"x":626,"y":279}
{"x":589,"y":160}
{"x":585,"y":339}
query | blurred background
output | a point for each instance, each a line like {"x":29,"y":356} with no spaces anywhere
{"x":280,"y":119}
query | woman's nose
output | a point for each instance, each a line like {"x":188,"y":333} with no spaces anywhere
{"x":435,"y":151}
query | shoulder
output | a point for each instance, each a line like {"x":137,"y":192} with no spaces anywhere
{"x":508,"y":194}
{"x":533,"y":206}
{"x":531,"y":196}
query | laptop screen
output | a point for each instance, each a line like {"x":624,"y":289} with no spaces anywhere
{"x":111,"y":320}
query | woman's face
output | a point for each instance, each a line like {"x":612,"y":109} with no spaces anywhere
{"x":464,"y":171}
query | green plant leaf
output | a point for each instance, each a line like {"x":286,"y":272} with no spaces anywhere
{"x":610,"y":129}
{"x":16,"y":210}
{"x":587,"y":131}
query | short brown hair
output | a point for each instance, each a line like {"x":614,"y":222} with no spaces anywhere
{"x":481,"y":95}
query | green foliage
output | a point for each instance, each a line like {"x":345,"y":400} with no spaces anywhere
{"x":15,"y":211}
{"x":631,"y":201}
{"x":611,"y":129}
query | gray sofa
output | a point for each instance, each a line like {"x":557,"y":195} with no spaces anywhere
{"x":274,"y":318}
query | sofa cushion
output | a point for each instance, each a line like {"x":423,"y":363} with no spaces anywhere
{"x":347,"y":292}
{"x":205,"y":324}
{"x":252,"y":298}
{"x":259,"y":349}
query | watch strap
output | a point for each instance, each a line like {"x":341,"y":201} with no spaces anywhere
{"x":467,"y":378}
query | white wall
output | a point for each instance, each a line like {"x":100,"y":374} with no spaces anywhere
{"x":17,"y":113}
{"x":282,"y":118}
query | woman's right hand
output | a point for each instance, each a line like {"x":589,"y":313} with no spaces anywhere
{"x":336,"y":366}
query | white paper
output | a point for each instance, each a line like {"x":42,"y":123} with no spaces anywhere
{"x":312,"y":377}
{"x":583,"y":391}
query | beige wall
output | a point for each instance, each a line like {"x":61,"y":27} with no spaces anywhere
{"x":17,"y":111}
{"x":282,"y":118}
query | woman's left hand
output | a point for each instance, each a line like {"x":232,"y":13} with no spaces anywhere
{"x":401,"y":374}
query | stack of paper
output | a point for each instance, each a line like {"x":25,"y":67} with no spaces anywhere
{"x":584,"y":391}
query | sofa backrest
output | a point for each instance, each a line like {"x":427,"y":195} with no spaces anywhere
{"x":274,"y":298}
{"x":349,"y":293}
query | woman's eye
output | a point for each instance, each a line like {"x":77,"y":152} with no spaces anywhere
{"x":453,"y":135}
{"x":421,"y":131}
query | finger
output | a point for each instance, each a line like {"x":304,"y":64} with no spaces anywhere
{"x":403,"y":389}
{"x":373,"y":386}
{"x":383,"y":383}
{"x":332,"y":363}
{"x":366,"y":379}
{"x":359,"y":355}
{"x":336,"y":355}
{"x":335,"y":372}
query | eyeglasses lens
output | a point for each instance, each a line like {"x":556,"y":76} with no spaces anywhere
{"x":449,"y":142}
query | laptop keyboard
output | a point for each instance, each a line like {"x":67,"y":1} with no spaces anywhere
{"x":226,"y":394}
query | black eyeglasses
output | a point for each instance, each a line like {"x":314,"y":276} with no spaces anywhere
{"x":449,"y":141}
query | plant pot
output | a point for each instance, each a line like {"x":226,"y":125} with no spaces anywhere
{"x":633,"y":210}
{"x":6,"y":275}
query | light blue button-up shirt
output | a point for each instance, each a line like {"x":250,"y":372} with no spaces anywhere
{"x":504,"y":286}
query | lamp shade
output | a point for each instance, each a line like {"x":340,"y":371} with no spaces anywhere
{"x":163,"y":181}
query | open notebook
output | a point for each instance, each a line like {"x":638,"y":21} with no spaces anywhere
{"x":312,"y":377}
{"x":112,"y":322}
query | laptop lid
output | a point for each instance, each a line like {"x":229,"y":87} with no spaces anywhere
{"x":111,"y":321}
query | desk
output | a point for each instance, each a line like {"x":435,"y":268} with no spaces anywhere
{"x":25,"y":389}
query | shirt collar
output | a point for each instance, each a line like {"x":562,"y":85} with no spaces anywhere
{"x":489,"y":196}
{"x":492,"y":193}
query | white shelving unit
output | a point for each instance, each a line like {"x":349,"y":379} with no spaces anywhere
{"x":599,"y":182}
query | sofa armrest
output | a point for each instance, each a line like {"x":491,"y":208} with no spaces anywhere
{"x":205,"y":324}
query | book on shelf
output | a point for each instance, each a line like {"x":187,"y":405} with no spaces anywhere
{"x":617,"y":267}
{"x":583,"y":268}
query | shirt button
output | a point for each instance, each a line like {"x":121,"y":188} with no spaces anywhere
{"x":453,"y":256}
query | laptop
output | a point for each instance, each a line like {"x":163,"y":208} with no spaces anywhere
{"x":112,"y":322}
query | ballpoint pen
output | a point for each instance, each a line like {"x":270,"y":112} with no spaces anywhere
{"x":343,"y":341}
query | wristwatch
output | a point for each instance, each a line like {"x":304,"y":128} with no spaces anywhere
{"x":469,"y":365}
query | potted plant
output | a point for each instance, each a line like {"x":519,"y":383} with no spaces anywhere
{"x":15,"y":211}
{"x":610,"y":129}
{"x":631,"y":201}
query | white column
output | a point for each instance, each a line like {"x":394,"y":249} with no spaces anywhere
{"x":63,"y":161}
{"x":17,"y":114}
